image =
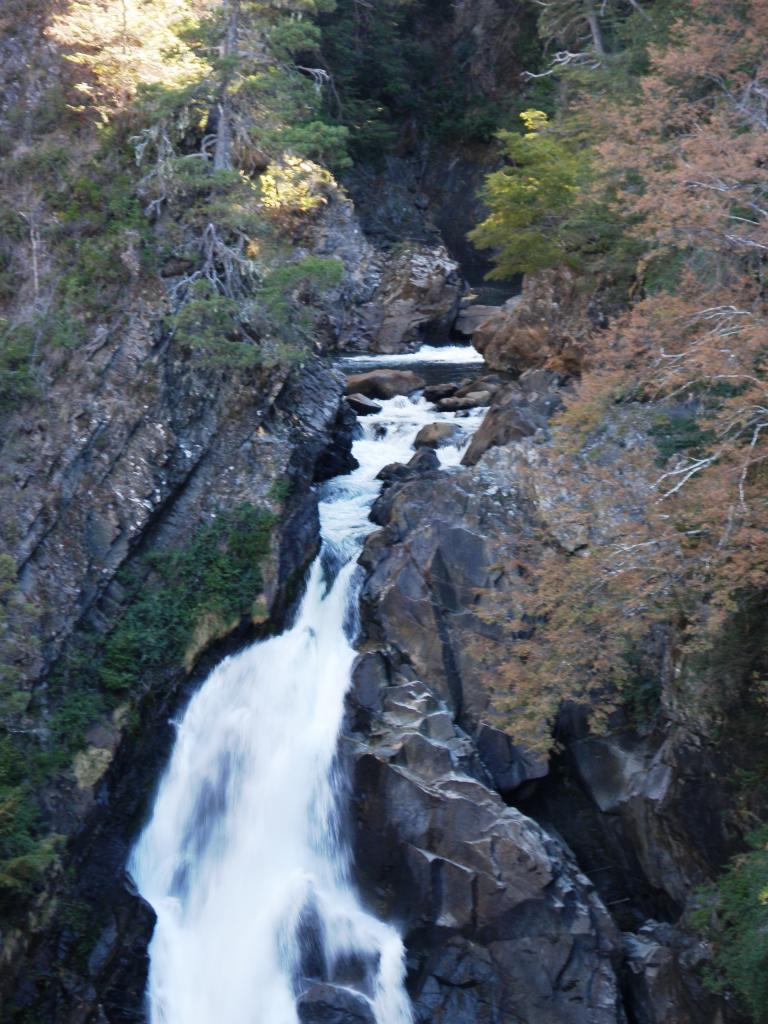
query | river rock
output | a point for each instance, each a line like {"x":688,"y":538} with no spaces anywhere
{"x":437,"y":435}
{"x":424,"y":461}
{"x":361,"y":405}
{"x":472,"y":316}
{"x":471,"y":400}
{"x":434,"y":392}
{"x":490,"y":383}
{"x":517,"y":410}
{"x":384,"y":383}
{"x":332,"y":1004}
{"x":537,"y":328}
{"x":336,"y":459}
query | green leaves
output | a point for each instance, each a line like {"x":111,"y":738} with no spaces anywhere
{"x":217,"y":574}
{"x":530,"y":200}
{"x":739,"y":926}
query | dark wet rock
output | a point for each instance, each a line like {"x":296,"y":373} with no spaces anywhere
{"x":384,"y":383}
{"x":361,"y":405}
{"x":437,"y":435}
{"x":471,"y":400}
{"x":659,"y":795}
{"x":499,"y":923}
{"x":663,"y":979}
{"x":431,"y":571}
{"x":336,"y":458}
{"x":332,"y":1004}
{"x":434,"y":392}
{"x":370,"y":676}
{"x":517,"y":411}
{"x":488,"y":382}
{"x":424,"y":461}
{"x":508,"y":764}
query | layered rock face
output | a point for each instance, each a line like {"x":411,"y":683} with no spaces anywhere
{"x":544,"y":327}
{"x":645,"y":813}
{"x":159,"y":470}
{"x":499,"y":923}
{"x":413,"y":295}
{"x":144,"y":440}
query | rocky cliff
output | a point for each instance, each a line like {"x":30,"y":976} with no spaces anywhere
{"x":545,"y":884}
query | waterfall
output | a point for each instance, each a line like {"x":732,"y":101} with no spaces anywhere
{"x":243,"y":859}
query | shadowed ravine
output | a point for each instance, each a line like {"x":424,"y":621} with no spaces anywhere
{"x":243,"y":859}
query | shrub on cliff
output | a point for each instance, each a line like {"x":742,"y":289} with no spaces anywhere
{"x":736,"y":920}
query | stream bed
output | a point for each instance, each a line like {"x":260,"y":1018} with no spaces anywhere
{"x":244,"y":860}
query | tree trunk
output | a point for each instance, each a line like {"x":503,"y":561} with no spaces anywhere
{"x":222,"y":154}
{"x":594,"y":27}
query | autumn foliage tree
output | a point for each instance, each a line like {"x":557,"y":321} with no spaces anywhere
{"x":682,"y":541}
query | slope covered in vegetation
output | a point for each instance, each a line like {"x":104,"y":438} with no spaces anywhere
{"x":645,"y":180}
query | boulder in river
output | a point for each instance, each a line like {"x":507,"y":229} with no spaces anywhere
{"x":472,"y":400}
{"x":420,"y":288}
{"x":384,"y":383}
{"x":424,"y":461}
{"x":437,"y":435}
{"x":434,"y":392}
{"x":471,"y":316}
{"x":517,"y":410}
{"x":362,"y":406}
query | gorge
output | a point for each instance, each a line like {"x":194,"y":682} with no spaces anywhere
{"x":383,"y":573}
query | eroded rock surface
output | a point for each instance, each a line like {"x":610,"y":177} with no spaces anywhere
{"x":420,"y":289}
{"x":545,"y":326}
{"x":499,"y":923}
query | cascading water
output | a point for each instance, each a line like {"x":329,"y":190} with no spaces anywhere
{"x":243,"y":852}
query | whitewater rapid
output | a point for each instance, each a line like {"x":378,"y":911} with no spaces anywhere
{"x":244,"y":850}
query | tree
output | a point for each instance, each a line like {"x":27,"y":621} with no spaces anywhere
{"x":530,"y":199}
{"x":123,"y":44}
{"x":683,"y":161}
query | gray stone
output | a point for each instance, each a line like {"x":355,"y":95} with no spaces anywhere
{"x":437,"y":435}
{"x":494,"y":911}
{"x":384,"y":383}
{"x":471,"y":400}
{"x":508,"y":764}
{"x":361,"y":405}
{"x":471,"y":316}
{"x":332,"y":1004}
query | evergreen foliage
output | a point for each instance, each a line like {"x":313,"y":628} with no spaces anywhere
{"x":736,"y":919}
{"x":530,"y":200}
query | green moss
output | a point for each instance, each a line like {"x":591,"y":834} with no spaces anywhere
{"x":310,"y":276}
{"x":208,"y":325}
{"x":17,"y":361}
{"x":281,"y":489}
{"x":218,"y":573}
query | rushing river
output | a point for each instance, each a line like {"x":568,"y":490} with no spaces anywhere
{"x":244,"y":846}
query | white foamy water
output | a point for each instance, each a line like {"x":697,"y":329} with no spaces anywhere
{"x":243,"y":856}
{"x":426,"y":354}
